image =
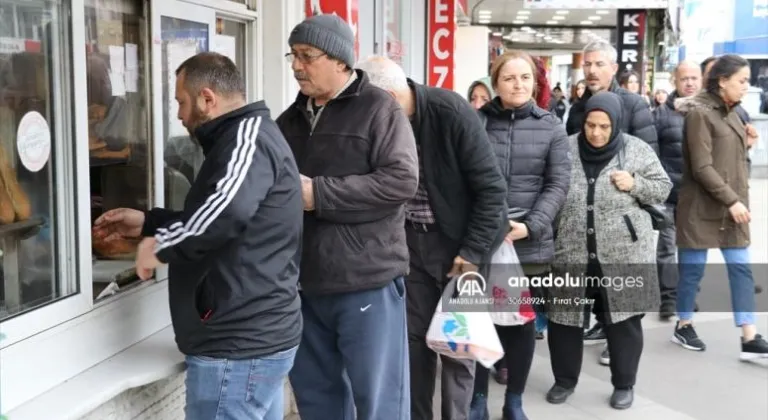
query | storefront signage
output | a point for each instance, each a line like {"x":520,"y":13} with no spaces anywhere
{"x":345,"y":9}
{"x":631,"y":40}
{"x":33,"y":141}
{"x":12,"y":45}
{"x":596,"y":4}
{"x":441,"y":30}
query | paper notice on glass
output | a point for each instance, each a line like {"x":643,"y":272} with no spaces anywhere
{"x":117,"y":70}
{"x":176,"y":53}
{"x":225,"y":45}
{"x":131,"y":68}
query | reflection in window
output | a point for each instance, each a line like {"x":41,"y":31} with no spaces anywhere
{"x":398,"y":34}
{"x":35,"y":118}
{"x":183,"y":156}
{"x":118,"y":128}
{"x":230,"y":41}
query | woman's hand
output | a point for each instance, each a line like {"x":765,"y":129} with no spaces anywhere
{"x":740,"y":213}
{"x":623,"y":180}
{"x":517,"y":231}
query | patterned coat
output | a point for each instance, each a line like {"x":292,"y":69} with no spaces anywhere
{"x":626,"y":241}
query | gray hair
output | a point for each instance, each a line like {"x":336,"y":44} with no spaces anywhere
{"x":384,"y":73}
{"x":603,"y":47}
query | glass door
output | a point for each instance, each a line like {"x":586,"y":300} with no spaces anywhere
{"x":181,"y":31}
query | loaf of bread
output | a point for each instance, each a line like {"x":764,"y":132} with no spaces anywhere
{"x":19,"y":201}
{"x":22,"y":209}
{"x":7,"y":215}
{"x":114,"y":249}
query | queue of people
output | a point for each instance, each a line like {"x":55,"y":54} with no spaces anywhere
{"x":317,"y":246}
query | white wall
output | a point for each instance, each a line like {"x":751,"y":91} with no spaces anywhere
{"x":470,"y":57}
{"x":276,"y":20}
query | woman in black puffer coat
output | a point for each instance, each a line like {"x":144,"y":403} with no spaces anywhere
{"x":534,"y":155}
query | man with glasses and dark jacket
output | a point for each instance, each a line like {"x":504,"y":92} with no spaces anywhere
{"x":357,"y":156}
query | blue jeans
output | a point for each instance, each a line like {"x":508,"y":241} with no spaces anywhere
{"x":226,"y":389}
{"x":353,"y":356}
{"x":692,"y":263}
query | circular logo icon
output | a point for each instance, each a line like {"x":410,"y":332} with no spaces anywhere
{"x":33,"y":141}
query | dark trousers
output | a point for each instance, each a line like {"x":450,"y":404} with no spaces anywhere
{"x":432,"y":256}
{"x":353,"y":356}
{"x":519,"y":343}
{"x":625,"y":343}
{"x":666,"y":252}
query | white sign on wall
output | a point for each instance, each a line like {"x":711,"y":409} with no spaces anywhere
{"x":596,"y":4}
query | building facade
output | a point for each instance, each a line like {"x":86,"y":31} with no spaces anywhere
{"x":88,"y":123}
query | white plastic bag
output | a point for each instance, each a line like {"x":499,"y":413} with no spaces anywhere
{"x":511,"y":305}
{"x":464,"y":335}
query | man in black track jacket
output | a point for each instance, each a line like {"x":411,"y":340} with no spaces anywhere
{"x":233,"y":251}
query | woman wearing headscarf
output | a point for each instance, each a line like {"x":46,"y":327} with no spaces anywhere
{"x":532,"y":150}
{"x":606,"y":245}
{"x":480,"y":92}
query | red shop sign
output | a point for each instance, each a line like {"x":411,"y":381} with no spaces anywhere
{"x":441,"y":29}
{"x":345,"y":9}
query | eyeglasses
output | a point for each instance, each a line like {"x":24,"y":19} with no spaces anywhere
{"x":302,"y":57}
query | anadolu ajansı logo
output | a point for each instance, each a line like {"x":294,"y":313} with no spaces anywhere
{"x":471,"y":284}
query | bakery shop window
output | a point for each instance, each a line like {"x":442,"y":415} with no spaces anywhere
{"x":117,"y":61}
{"x":36,"y":155}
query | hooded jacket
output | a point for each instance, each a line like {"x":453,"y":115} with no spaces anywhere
{"x":715,"y":175}
{"x":485,"y":81}
{"x":234,"y":251}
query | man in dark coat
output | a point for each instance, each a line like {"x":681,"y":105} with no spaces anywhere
{"x":453,"y":224}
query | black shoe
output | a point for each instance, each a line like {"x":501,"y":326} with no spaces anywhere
{"x":696,"y":307}
{"x":667,"y":310}
{"x":758,"y":289}
{"x":757,"y":348}
{"x":558,"y":394}
{"x":605,"y":357}
{"x":594,"y":335}
{"x":687,"y":338}
{"x":540,"y":335}
{"x":622,"y":398}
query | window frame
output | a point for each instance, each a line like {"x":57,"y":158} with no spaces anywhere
{"x":71,"y":265}
{"x":53,"y":343}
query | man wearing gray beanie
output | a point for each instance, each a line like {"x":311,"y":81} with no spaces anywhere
{"x":357,"y":155}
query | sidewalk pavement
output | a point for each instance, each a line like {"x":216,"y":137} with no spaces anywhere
{"x":673,"y":383}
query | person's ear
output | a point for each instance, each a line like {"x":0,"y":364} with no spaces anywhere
{"x":207,"y":99}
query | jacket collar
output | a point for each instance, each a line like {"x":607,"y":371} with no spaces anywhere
{"x":614,"y":87}
{"x":420,"y":104}
{"x":209,"y":132}
{"x":354,"y":86}
{"x":528,"y":109}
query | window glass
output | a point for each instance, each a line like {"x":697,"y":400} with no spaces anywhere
{"x":118,"y":128}
{"x":230,"y":41}
{"x":181,"y":39}
{"x":36,"y":167}
{"x":398,"y":34}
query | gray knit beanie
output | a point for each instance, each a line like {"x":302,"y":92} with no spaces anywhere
{"x":328,"y":33}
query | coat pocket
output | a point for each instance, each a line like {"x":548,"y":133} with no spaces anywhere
{"x":630,"y":227}
{"x":205,"y":300}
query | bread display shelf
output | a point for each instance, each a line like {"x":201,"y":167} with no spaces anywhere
{"x":21,"y":229}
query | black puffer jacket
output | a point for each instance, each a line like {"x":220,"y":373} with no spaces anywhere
{"x":637,"y":120}
{"x":669,"y":126}
{"x":534,"y":155}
